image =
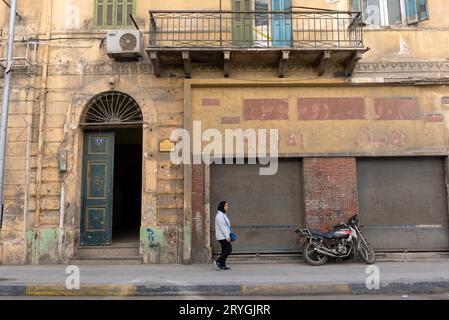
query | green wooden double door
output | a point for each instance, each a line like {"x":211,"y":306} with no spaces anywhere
{"x":261,"y":29}
{"x":97,"y":188}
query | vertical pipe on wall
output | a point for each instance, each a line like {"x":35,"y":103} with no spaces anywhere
{"x":27,"y":186}
{"x":61,"y":221}
{"x":5,"y":107}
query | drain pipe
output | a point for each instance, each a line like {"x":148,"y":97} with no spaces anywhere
{"x":27,"y":187}
{"x":61,"y":222}
{"x":5,"y":108}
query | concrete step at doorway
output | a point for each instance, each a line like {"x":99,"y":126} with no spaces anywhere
{"x":104,"y":261}
{"x":113,"y":251}
{"x":118,"y":253}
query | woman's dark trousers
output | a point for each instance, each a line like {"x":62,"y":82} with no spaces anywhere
{"x":226,"y":249}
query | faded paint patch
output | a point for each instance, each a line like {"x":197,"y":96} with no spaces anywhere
{"x":47,"y":243}
{"x":12,"y":252}
{"x":434,"y":117}
{"x":210,"y":102}
{"x":72,"y":19}
{"x":265,"y":109}
{"x":381,"y":139}
{"x":331,"y":108}
{"x":187,"y":244}
{"x":404,"y":50}
{"x":230,"y":120}
{"x":396,"y":109}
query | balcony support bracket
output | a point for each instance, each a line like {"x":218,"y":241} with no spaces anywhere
{"x":283,"y":59}
{"x":226,"y":63}
{"x":322,"y":62}
{"x":155,"y":61}
{"x":187,"y":64}
{"x":351,"y":63}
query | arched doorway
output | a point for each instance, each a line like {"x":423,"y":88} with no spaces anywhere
{"x":112,"y":170}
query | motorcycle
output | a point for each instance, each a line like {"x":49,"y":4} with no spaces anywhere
{"x":342,"y":242}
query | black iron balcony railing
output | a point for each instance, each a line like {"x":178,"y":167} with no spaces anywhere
{"x":256,"y":29}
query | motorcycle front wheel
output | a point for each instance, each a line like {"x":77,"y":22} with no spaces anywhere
{"x":367,"y":253}
{"x":312,"y":257}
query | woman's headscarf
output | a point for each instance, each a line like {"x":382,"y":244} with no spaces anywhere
{"x":221,"y":206}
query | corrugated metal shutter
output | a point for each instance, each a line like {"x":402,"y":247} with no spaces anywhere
{"x":403,"y":203}
{"x":265,"y":210}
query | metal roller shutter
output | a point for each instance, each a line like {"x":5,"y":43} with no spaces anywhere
{"x":265,"y":210}
{"x":403,"y":203}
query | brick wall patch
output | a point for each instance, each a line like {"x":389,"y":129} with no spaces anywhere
{"x":330,"y":191}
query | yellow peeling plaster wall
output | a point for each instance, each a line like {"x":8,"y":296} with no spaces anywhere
{"x":73,"y":67}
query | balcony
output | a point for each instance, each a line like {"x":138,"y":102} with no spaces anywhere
{"x":314,"y":38}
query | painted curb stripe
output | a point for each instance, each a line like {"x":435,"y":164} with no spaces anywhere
{"x":294,"y":289}
{"x":219,"y":290}
{"x":85,"y":290}
{"x":12,"y":290}
{"x":402,"y":288}
{"x":225,"y":290}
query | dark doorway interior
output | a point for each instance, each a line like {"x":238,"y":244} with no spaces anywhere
{"x":127,"y":185}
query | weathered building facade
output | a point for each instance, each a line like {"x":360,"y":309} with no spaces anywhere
{"x":359,"y":101}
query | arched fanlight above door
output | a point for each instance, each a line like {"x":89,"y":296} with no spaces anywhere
{"x":111,"y":108}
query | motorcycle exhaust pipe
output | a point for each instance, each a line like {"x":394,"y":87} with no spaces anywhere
{"x":331,"y":254}
{"x":326,"y":253}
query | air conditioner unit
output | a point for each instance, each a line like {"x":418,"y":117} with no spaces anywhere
{"x":124,"y":45}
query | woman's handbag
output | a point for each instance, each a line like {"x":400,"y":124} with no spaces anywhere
{"x":232,"y":235}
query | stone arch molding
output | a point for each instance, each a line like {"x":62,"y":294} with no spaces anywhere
{"x":143,"y":98}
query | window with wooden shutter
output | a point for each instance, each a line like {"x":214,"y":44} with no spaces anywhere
{"x":114,"y":14}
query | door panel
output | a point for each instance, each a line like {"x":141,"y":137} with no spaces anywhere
{"x":242,"y":24}
{"x":96,"y":212}
{"x":282,"y":23}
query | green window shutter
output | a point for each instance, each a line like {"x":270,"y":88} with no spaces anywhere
{"x":120,"y":12}
{"x":130,"y":9}
{"x":113,"y":14}
{"x":98,"y":12}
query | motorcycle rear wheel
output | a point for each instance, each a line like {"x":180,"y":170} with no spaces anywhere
{"x":312,"y":257}
{"x":367,"y":253}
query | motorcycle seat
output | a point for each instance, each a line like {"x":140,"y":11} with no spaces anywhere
{"x":327,"y":235}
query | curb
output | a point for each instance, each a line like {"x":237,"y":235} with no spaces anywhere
{"x":293,"y":289}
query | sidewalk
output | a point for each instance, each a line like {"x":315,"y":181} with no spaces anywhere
{"x":245,"y":279}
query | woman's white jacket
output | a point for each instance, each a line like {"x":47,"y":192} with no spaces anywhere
{"x":222,"y":226}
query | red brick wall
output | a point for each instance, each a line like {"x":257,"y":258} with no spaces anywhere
{"x":199,"y":251}
{"x":330,"y":184}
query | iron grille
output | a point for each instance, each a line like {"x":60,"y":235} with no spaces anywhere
{"x":112,"y":108}
{"x":218,"y":29}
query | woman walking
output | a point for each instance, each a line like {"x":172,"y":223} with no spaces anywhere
{"x":222,"y":234}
